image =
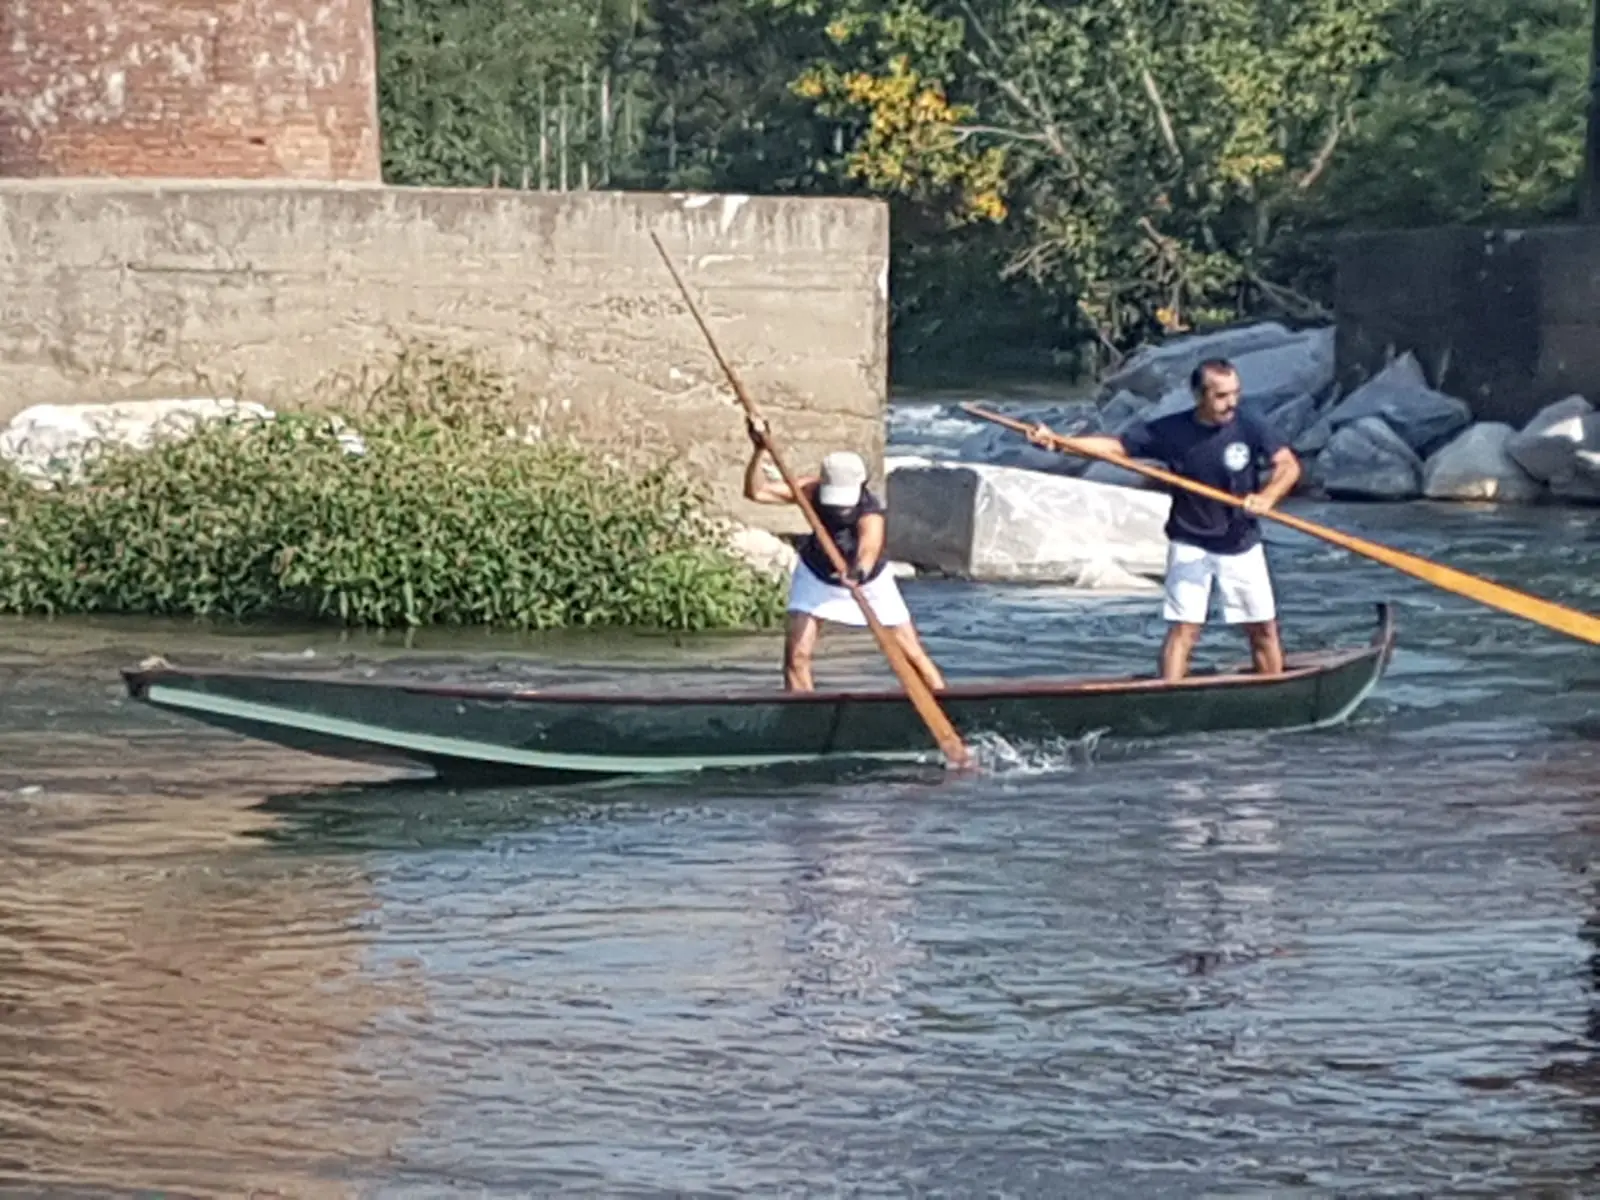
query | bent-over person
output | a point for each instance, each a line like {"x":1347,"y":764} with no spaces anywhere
{"x":1212,"y":544}
{"x":855,"y":519}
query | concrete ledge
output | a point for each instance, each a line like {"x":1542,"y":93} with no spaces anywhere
{"x":114,"y":290}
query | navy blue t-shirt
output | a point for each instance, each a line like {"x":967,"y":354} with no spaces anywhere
{"x":844,"y":527}
{"x":1235,"y":457}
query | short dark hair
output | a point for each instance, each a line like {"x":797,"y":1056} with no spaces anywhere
{"x":1211,"y":366}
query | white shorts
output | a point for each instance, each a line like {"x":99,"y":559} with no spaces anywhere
{"x":1243,"y":580}
{"x":829,"y":602}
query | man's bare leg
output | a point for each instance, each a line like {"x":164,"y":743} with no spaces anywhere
{"x":1175,"y":650}
{"x":1266,"y":650}
{"x":799,"y":644}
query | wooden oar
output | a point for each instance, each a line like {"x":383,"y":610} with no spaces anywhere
{"x":944,"y":733}
{"x":1519,"y":604}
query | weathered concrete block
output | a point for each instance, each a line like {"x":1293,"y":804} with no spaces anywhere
{"x":117,"y":290}
{"x":1004,"y":524}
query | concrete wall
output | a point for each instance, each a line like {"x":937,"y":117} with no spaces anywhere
{"x":1508,"y":320}
{"x":138,"y":290}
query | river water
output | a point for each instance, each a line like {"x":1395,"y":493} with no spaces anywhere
{"x":1359,"y":962}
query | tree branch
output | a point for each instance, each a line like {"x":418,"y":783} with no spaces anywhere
{"x":1324,"y":155}
{"x":1290,"y":300}
{"x":1051,"y":131}
{"x":1163,"y":118}
{"x":963,"y":132}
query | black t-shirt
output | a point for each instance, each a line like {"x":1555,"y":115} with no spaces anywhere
{"x":842,"y":525}
{"x":1233,"y":457}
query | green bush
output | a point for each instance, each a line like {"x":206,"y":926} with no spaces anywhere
{"x":446,"y":516}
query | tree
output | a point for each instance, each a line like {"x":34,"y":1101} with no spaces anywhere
{"x":1482,"y":117}
{"x":1150,"y":154}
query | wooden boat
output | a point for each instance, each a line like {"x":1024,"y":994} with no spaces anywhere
{"x":483,"y":734}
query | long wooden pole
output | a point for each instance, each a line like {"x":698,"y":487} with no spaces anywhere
{"x":944,"y":733}
{"x":1565,"y":620}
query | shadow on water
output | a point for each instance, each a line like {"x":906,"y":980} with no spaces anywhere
{"x":422,"y":814}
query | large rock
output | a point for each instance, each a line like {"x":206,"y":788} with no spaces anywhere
{"x":1367,"y":460}
{"x":999,"y":446}
{"x":1300,"y":367}
{"x":1156,"y":370}
{"x":1001,"y":524}
{"x":1582,"y":481}
{"x":1549,"y":444}
{"x":1476,"y":466}
{"x":1294,"y":418}
{"x":55,"y":441}
{"x":766,"y":552}
{"x":1425,"y":419}
{"x":1122,"y":411}
{"x":1314,"y":438}
{"x":1282,"y":383}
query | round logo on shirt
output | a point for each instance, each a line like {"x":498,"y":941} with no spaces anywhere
{"x":1236,"y":457}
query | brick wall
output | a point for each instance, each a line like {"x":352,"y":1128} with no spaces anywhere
{"x":248,"y":89}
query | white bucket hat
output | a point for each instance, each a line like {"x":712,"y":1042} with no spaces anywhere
{"x":843,"y":477}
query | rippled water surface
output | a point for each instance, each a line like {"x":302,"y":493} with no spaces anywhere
{"x":1355,"y":962}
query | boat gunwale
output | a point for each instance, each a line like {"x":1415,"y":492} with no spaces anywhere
{"x":1310,"y":665}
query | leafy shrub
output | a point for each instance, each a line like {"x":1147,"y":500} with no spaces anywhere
{"x":443,"y":515}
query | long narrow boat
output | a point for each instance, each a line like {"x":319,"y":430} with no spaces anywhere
{"x":482,"y":734}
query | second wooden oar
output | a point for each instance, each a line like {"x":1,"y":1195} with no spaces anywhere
{"x":944,"y":733}
{"x":1565,"y":620}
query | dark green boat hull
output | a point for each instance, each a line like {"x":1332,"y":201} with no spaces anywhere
{"x":476,"y":734}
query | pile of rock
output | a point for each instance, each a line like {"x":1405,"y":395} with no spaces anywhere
{"x":1393,"y":438}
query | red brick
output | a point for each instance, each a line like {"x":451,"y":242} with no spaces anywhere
{"x":243,"y":89}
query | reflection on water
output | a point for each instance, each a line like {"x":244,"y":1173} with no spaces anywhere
{"x":1356,"y":962}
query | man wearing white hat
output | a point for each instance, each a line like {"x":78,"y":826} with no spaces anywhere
{"x":854,"y":518}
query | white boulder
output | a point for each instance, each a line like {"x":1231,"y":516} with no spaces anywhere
{"x":766,"y":552}
{"x":1001,"y":524}
{"x":55,"y":441}
{"x":1425,"y":419}
{"x":1548,"y":445}
{"x":1476,"y":466}
{"x":1367,"y":460}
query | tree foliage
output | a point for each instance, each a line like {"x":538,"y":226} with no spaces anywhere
{"x":443,"y":516}
{"x":1099,"y":170}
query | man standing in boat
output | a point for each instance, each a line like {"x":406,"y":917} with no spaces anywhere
{"x":1211,"y":543}
{"x":855,"y":519}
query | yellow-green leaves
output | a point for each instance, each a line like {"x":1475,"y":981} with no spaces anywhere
{"x":1144,"y":151}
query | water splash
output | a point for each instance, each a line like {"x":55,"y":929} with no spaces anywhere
{"x":1051,"y":756}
